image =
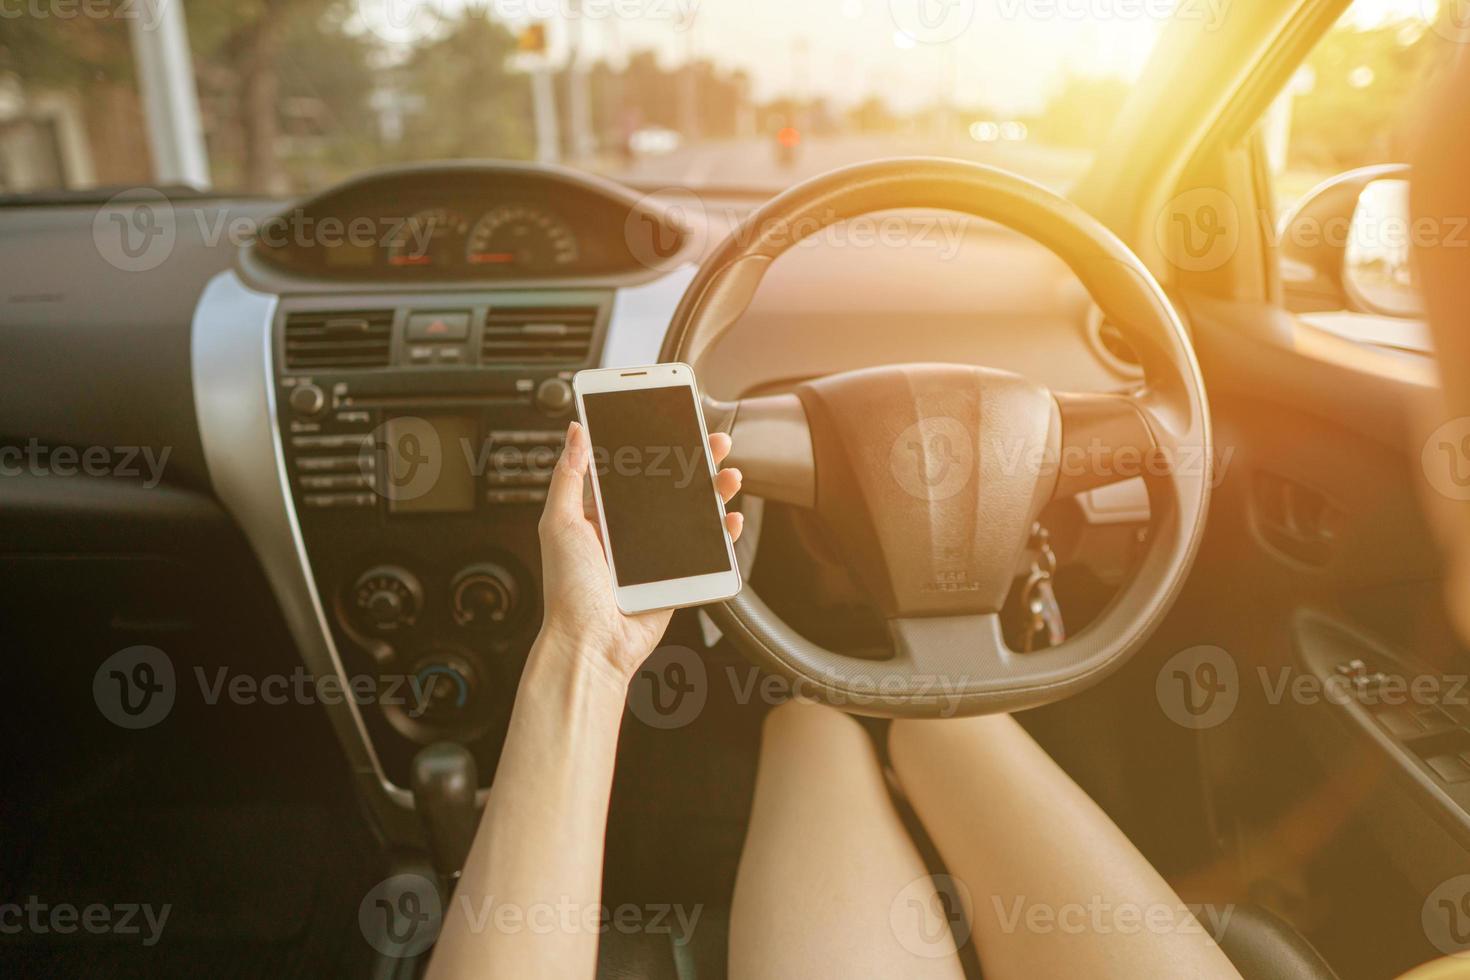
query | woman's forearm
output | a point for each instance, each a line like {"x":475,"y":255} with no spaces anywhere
{"x":528,"y":901}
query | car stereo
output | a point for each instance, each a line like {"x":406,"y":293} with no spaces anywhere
{"x":418,"y":443}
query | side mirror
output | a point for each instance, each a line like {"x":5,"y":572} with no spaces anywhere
{"x":1347,"y":246}
{"x":1378,"y":270}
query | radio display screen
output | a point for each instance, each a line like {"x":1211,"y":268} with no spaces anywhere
{"x":430,"y":464}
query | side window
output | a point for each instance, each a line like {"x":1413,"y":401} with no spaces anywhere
{"x":1351,"y":103}
{"x":1336,"y":143}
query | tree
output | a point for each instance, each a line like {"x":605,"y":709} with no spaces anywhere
{"x":241,"y":53}
{"x":1361,"y":82}
{"x":90,"y":59}
{"x":471,"y":105}
{"x":252,"y":61}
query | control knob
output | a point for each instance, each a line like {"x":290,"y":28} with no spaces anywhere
{"x":307,"y":400}
{"x":388,"y":598}
{"x":484,"y":596}
{"x":554,"y":396}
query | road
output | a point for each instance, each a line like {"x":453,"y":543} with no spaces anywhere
{"x":754,"y":163}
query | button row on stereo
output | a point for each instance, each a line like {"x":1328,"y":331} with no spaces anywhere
{"x":516,"y":496}
{"x":530,"y":478}
{"x":338,"y":481}
{"x":336,"y":464}
{"x":335,"y":501}
{"x":531,"y":438}
{"x":359,"y":440}
{"x":424,"y":354}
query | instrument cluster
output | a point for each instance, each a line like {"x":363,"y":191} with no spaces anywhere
{"x":467,"y":223}
{"x":518,"y":238}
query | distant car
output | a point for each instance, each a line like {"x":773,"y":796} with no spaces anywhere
{"x":654,"y":141}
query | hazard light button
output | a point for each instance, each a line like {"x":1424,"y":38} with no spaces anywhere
{"x":435,"y":327}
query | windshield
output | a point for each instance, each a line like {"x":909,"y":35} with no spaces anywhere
{"x":286,"y":98}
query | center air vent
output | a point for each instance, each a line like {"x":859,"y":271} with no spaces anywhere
{"x":538,"y":334}
{"x":354,"y":339}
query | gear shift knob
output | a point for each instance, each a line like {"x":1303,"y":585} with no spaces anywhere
{"x":444,"y":781}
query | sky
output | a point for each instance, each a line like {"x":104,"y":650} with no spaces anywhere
{"x":1008,"y":55}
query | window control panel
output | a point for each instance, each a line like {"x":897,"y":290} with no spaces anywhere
{"x":1407,"y":711}
{"x":1417,"y":709}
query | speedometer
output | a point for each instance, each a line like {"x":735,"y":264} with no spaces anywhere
{"x":523,"y":239}
{"x":427,"y":239}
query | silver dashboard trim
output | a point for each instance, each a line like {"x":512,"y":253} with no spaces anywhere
{"x":234,"y":397}
{"x":641,"y":316}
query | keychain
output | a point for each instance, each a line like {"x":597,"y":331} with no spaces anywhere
{"x":1044,"y":627}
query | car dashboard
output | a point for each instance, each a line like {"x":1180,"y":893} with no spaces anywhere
{"x":373,"y":387}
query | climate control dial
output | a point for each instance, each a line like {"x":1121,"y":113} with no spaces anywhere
{"x":388,"y":598}
{"x":484,"y":596}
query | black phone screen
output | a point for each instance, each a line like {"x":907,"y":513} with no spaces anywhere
{"x":658,"y":497}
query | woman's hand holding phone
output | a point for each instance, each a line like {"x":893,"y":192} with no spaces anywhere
{"x":546,"y":817}
{"x":582,"y":617}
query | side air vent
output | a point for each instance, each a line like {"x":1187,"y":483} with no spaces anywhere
{"x":1116,"y":344}
{"x":1112,"y":344}
{"x":353,"y":339}
{"x":538,"y":334}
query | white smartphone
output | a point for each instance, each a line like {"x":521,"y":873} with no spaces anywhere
{"x":663,"y":522}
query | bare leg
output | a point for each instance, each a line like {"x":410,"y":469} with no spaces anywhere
{"x":830,"y":885}
{"x":1056,"y":888}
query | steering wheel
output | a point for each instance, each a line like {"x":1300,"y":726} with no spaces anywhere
{"x":930,"y":476}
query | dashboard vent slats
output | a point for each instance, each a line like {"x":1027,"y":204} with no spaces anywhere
{"x":350,"y":339}
{"x":538,"y":334}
